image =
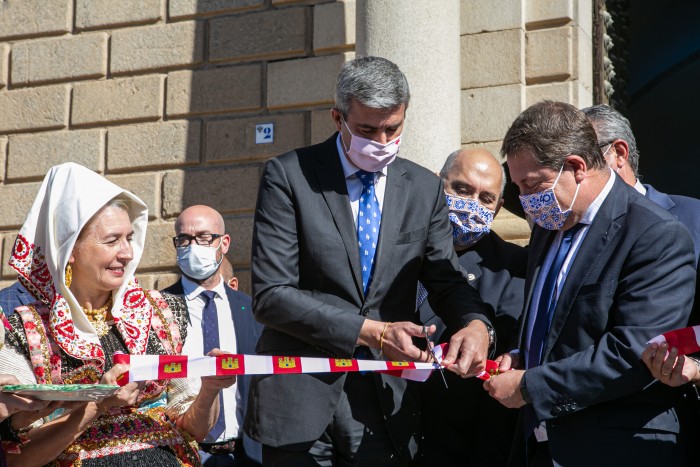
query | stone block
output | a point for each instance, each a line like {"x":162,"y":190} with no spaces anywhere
{"x":118,"y":100}
{"x":244,"y":283}
{"x":487,"y":113}
{"x":32,"y":155}
{"x":147,"y":281}
{"x":229,"y":190}
{"x":59,"y":59}
{"x":19,"y":18}
{"x":159,"y":251}
{"x":240,"y":228}
{"x":583,"y":58}
{"x":334,"y":25}
{"x":157,"y":47}
{"x":17,"y":199}
{"x":322,"y":125}
{"x":494,"y":147}
{"x":164,"y":144}
{"x":271,"y":34}
{"x":43,"y":108}
{"x":277,"y":3}
{"x":144,"y":185}
{"x":551,"y":91}
{"x":235,"y":139}
{"x":92,"y":14}
{"x":288,"y":81}
{"x":548,"y":55}
{"x":511,"y":228}
{"x":183,"y":9}
{"x":7,"y":243}
{"x":164,"y":280}
{"x":217,"y":90}
{"x":492,"y":58}
{"x":3,"y":157}
{"x":496,"y":15}
{"x":543,"y":13}
{"x":4,"y":64}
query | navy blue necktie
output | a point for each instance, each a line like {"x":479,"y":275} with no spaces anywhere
{"x":369,"y":218}
{"x":210,"y":336}
{"x":547,"y":303}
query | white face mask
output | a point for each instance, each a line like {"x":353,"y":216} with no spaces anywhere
{"x":197,"y":261}
{"x":370,"y":155}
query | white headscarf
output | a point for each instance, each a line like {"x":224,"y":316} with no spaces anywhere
{"x":68,"y":198}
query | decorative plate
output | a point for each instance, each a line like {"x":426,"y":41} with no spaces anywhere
{"x":63,"y":392}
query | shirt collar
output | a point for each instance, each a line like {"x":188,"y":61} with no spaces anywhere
{"x":640,"y":188}
{"x":192,"y":290}
{"x":593,"y":209}
{"x":349,"y":168}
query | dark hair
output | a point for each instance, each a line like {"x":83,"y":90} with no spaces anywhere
{"x":374,"y":82}
{"x":551,"y":131}
{"x":610,"y":125}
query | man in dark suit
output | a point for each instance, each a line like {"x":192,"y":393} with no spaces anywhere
{"x":343,"y":231}
{"x":218,"y":312}
{"x":13,"y":296}
{"x":474,"y":183}
{"x":608,"y":270}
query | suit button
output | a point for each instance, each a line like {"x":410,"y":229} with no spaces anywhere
{"x":365,"y":312}
{"x":556,"y":410}
{"x":574,"y":406}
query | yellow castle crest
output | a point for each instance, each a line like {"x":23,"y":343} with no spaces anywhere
{"x":229,"y":363}
{"x":398,"y":363}
{"x":173,"y":368}
{"x":344,"y":362}
{"x":286,"y":362}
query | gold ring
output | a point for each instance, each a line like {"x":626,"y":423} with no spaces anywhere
{"x":665,"y":374}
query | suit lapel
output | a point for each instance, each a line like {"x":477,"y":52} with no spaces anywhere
{"x":598,"y":239}
{"x":398,"y":186}
{"x":331,"y":180}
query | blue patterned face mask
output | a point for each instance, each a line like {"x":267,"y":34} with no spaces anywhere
{"x":470,"y":220}
{"x":543,"y":207}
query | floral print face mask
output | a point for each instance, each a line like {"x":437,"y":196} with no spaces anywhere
{"x":470,"y":220}
{"x":543,"y":207}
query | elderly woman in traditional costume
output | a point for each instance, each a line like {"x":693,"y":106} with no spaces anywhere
{"x":77,"y":253}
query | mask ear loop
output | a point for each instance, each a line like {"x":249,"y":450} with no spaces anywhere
{"x":578,"y":185}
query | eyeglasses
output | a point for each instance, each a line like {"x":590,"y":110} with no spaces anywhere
{"x":183,"y":240}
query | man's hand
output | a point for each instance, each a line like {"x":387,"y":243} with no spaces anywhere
{"x":217,"y":383}
{"x":505,"y":388}
{"x":11,"y":403}
{"x":508,"y":361}
{"x":468,"y":350}
{"x":669,"y":367}
{"x":395,"y":339}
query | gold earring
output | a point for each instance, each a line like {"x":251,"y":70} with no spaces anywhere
{"x":69,"y":275}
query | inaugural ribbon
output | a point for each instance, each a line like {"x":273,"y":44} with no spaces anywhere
{"x":686,"y":340}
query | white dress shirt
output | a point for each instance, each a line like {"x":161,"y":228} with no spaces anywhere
{"x":354,"y":184}
{"x":194,"y":346}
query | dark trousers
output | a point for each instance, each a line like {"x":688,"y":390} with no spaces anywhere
{"x":356,"y":436}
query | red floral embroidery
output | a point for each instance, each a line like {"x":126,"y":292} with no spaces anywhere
{"x":55,"y":359}
{"x":21,"y":249}
{"x":30,"y":326}
{"x":134,"y":298}
{"x":39,"y":371}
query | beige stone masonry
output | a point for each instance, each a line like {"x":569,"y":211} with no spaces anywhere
{"x":494,"y":147}
{"x":218,"y":90}
{"x":246,"y":37}
{"x":4,"y":60}
{"x":167,"y":144}
{"x":230,"y":140}
{"x":492,"y":58}
{"x":184,"y":9}
{"x":32,"y":155}
{"x":144,"y":185}
{"x":3,"y":157}
{"x":334,"y":26}
{"x":158,"y":249}
{"x":59,"y":59}
{"x":164,"y":280}
{"x":157,"y":47}
{"x":42,"y":108}
{"x":549,"y":55}
{"x":490,"y":15}
{"x":117,"y":100}
{"x":487,"y":113}
{"x":12,"y":214}
{"x":92,"y":14}
{"x":547,"y":13}
{"x":321,"y":71}
{"x":298,"y":2}
{"x":226,"y":189}
{"x":241,"y":230}
{"x":21,"y":18}
{"x":322,"y":125}
{"x":8,"y":241}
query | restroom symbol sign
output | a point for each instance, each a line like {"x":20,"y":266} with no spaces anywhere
{"x":264,"y":133}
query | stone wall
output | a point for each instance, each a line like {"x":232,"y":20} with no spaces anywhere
{"x":163,"y":97}
{"x":516,"y":53}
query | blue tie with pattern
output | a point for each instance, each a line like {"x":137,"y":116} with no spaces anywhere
{"x":369,"y":218}
{"x":210,"y":336}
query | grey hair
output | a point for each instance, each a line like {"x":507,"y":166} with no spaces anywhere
{"x":450,"y":162}
{"x":120,"y":202}
{"x":609,"y":125}
{"x":374,"y":82}
{"x":552,"y":131}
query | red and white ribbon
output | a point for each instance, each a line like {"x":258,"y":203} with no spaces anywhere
{"x":686,"y":340}
{"x":154,"y":367}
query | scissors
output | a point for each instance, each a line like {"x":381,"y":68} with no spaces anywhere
{"x":429,"y":347}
